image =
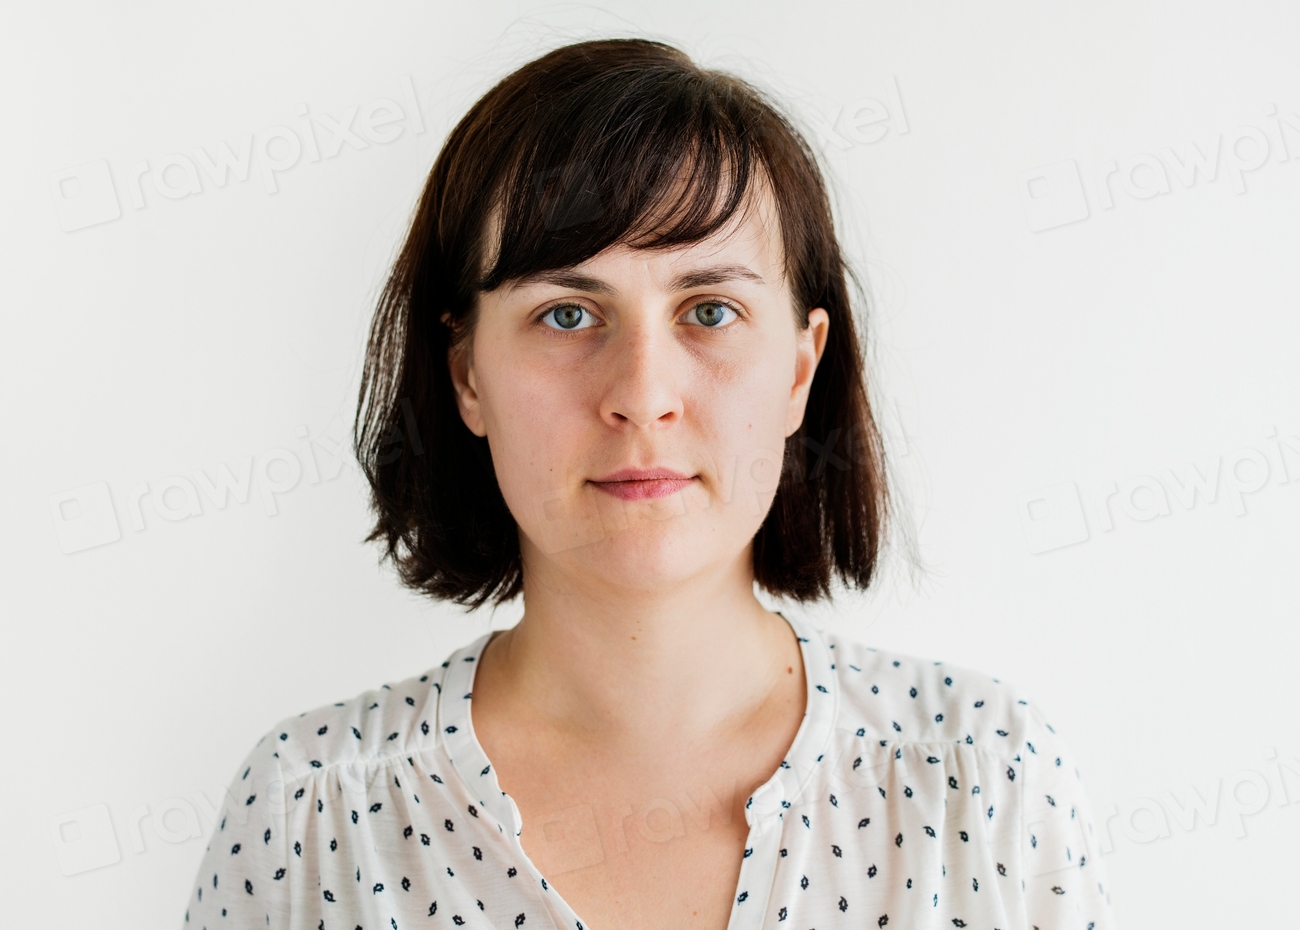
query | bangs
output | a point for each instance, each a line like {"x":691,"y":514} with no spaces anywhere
{"x":647,"y":158}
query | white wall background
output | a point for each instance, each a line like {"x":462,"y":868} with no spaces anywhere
{"x":1036,"y":334}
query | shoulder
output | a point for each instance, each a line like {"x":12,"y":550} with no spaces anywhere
{"x":897,"y":697}
{"x":391,"y":719}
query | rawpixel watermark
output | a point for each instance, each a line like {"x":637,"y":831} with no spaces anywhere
{"x":88,"y":195}
{"x":1245,"y":793}
{"x":1056,"y":194}
{"x":86,"y":517}
{"x":1057,"y":516}
{"x":864,"y":121}
{"x":86,"y":838}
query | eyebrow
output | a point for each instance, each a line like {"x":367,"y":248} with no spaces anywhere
{"x":574,"y":280}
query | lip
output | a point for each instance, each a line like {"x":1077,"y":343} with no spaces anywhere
{"x":633,"y":484}
{"x":642,"y":474}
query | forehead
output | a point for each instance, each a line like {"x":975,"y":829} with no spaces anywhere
{"x":752,"y":233}
{"x":751,"y":236}
{"x":750,"y":239}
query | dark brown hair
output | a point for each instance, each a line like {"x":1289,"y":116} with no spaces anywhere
{"x":581,"y":149}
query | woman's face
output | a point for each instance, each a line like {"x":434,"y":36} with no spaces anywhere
{"x":689,"y":360}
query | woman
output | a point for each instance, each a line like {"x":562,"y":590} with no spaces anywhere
{"x":615,"y":370}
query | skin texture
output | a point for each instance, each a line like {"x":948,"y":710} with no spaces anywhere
{"x":644,"y":667}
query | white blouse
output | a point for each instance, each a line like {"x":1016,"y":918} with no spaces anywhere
{"x":915,"y":794}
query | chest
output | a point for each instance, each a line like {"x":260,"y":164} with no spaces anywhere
{"x":639,"y":853}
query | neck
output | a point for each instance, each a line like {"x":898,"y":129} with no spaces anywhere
{"x":615,"y":669}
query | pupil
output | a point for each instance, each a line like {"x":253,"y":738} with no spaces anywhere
{"x":712,"y":317}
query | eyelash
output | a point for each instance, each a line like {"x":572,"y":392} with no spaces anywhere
{"x":570,"y":333}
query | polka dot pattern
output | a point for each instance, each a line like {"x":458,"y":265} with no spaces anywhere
{"x":915,"y":794}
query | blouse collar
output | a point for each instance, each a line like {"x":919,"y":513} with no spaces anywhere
{"x":794,"y":776}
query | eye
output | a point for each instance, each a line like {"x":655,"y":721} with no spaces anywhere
{"x":566,"y":317}
{"x":710,"y":314}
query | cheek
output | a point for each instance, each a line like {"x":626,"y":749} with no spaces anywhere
{"x":740,"y":422}
{"x":530,"y":416}
{"x":745,"y":405}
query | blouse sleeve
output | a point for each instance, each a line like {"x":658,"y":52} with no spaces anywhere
{"x":1065,"y":885}
{"x":241,"y":881}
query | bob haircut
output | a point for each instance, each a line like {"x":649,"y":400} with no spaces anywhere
{"x":582,"y":149}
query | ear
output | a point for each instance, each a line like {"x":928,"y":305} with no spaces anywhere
{"x":808,"y":353}
{"x":460,"y":363}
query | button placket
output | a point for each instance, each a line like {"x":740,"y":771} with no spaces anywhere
{"x":763,"y":813}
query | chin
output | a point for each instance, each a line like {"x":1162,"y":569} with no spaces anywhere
{"x":644,"y":554}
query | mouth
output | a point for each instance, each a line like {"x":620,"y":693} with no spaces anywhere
{"x":634,"y":484}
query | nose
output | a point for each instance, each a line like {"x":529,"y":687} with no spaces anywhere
{"x":641,"y":386}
